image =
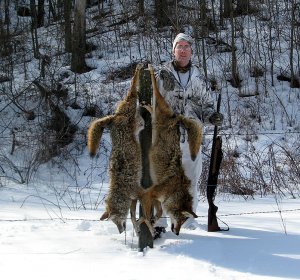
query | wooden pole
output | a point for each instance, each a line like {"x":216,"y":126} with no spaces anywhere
{"x":145,"y":237}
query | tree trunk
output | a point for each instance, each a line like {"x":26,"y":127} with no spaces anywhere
{"x":4,"y":30}
{"x":161,"y":13}
{"x":6,"y":13}
{"x":40,"y":13}
{"x":227,"y":8}
{"x":68,"y":28}
{"x":221,"y":11}
{"x":141,"y":4}
{"x":34,"y":35}
{"x":203,"y":19}
{"x":242,"y":7}
{"x":52,"y":10}
{"x":78,"y":64}
{"x":235,"y":80}
{"x":294,"y":80}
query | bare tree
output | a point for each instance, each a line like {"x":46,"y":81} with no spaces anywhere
{"x":6,"y":12}
{"x":40,"y":13}
{"x":227,"y":8}
{"x":294,"y":81}
{"x":161,"y":13}
{"x":4,"y":30}
{"x":78,"y":63}
{"x":141,"y":4}
{"x":235,"y":80}
{"x":53,"y":11}
{"x":242,"y":7}
{"x":34,"y":26}
{"x":68,"y":27}
{"x":201,"y":32}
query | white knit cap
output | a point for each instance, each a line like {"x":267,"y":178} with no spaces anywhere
{"x":182,"y":37}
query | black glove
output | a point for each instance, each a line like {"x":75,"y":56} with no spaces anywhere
{"x":216,"y":119}
{"x":168,"y":80}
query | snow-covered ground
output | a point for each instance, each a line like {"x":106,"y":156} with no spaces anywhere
{"x":45,"y":233}
{"x":39,"y":240}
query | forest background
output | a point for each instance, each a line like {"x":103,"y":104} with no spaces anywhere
{"x":64,"y":63}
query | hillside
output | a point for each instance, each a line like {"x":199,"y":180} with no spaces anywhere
{"x":46,"y":108}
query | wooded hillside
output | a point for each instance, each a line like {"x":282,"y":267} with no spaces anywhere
{"x":65,"y":62}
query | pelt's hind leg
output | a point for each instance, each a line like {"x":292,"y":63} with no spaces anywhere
{"x":147,"y":107}
{"x":147,"y":222}
{"x":136,"y":224}
{"x":158,"y":211}
{"x":136,"y":77}
{"x":133,"y":216}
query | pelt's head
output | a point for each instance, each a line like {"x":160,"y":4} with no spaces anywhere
{"x":180,"y":209}
{"x":178,"y":217}
{"x":117,"y":218}
{"x":119,"y":222}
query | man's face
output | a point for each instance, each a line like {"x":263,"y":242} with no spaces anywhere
{"x":183,"y":53}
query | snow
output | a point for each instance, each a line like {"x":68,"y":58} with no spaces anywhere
{"x":39,"y":239}
{"x":50,"y":228}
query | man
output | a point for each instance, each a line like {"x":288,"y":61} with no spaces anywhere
{"x":184,"y":88}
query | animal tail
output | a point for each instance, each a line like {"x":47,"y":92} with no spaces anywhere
{"x":194,"y":132}
{"x":160,"y":103}
{"x":95,"y":133}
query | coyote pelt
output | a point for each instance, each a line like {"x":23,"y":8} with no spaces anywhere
{"x":170,"y":184}
{"x":125,"y":160}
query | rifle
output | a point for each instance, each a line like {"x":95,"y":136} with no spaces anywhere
{"x":212,"y":181}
